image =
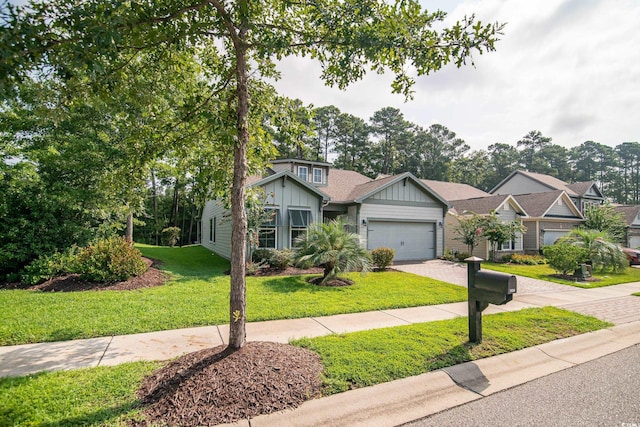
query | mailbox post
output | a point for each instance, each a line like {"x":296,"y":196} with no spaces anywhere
{"x":484,"y":288}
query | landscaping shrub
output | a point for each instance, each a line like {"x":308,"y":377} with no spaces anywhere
{"x":527,"y":259}
{"x":171,"y":235}
{"x":382,"y":257}
{"x":47,"y":267}
{"x":261,"y":255}
{"x":110,"y":260}
{"x":565,"y":258}
{"x":461,"y":256}
{"x":448,"y":255}
{"x":281,"y":259}
{"x":506,"y":258}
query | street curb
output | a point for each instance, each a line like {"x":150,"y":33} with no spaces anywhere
{"x":405,"y":400}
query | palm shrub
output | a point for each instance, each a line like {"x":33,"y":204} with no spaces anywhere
{"x":333,"y":248}
{"x":601,"y":251}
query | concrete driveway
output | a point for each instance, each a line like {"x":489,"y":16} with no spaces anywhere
{"x":456,"y":273}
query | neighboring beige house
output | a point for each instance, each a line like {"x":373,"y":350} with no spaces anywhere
{"x":631,"y":214}
{"x":504,"y":206}
{"x":398,"y":211}
{"x":582,"y":194}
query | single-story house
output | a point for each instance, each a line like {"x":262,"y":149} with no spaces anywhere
{"x":398,"y":211}
{"x":582,"y":194}
{"x":505,"y":207}
{"x":631,"y":215}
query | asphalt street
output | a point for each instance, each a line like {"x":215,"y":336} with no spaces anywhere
{"x":603,"y":392}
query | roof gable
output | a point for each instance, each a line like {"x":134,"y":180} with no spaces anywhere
{"x":288,"y":176}
{"x":369,"y":189}
{"x":546,"y":181}
{"x":487,"y":205}
{"x":539,"y":205}
{"x":631,"y":214}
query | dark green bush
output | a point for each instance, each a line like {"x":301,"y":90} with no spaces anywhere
{"x":461,"y":256}
{"x":565,"y":257}
{"x":49,"y":266}
{"x":448,"y":255}
{"x":506,"y":258}
{"x":261,"y":255}
{"x":281,"y":259}
{"x":382,"y":257}
{"x":110,"y":260}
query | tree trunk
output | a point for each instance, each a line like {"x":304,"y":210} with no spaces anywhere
{"x":129,"y":230}
{"x":237,"y":303}
{"x":155,"y":207}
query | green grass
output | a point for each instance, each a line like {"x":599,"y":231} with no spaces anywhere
{"x":198,"y":294}
{"x":366,"y":358}
{"x":106,"y":395}
{"x":544,"y":272}
{"x":86,"y":397}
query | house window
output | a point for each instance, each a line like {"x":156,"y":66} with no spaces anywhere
{"x":211,"y":225}
{"x":268,"y":233}
{"x":303,"y":173}
{"x":299,"y":220}
{"x":317,"y":176}
{"x":513,"y":245}
{"x":213,"y":232}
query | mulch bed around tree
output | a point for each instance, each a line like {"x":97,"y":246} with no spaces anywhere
{"x":72,"y":282}
{"x":215,"y":386}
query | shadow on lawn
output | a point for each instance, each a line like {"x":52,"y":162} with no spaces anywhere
{"x":290,"y":284}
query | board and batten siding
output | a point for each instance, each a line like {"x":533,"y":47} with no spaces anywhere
{"x":520,"y":184}
{"x":561,"y":209}
{"x":403,"y":213}
{"x":222,"y":245}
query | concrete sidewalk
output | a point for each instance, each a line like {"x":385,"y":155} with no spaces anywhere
{"x":385,"y":404}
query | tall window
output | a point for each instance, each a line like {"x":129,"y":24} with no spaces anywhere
{"x":214,"y":229}
{"x":268,"y":234}
{"x":317,"y":176}
{"x":299,"y":220}
{"x":211,"y":225}
{"x":303,"y":173}
{"x":513,"y":245}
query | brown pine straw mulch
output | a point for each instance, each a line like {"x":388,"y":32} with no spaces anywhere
{"x":216,"y":386}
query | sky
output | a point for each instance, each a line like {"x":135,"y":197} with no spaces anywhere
{"x":568,"y":68}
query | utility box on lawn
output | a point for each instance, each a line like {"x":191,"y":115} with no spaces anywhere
{"x":484,"y":288}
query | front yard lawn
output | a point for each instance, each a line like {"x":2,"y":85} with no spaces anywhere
{"x":106,"y":395}
{"x":198,"y":294}
{"x":545,"y":272}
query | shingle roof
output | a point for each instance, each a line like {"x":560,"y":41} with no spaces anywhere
{"x":480,"y":205}
{"x":580,"y":188}
{"x":450,"y":191}
{"x":630,"y":212}
{"x":341,"y":184}
{"x":536,"y":204}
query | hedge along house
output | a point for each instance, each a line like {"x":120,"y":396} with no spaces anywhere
{"x":551,"y":215}
{"x":399,"y":212}
{"x":505,"y":207}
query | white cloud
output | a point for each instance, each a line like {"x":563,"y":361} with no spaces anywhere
{"x":569,"y":68}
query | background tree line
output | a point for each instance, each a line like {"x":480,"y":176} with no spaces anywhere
{"x":389,"y":144}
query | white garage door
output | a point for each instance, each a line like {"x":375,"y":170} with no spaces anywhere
{"x":550,"y":237}
{"x":634,"y":242}
{"x":410,"y":240}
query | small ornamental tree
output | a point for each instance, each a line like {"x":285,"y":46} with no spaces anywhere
{"x":333,"y":248}
{"x":256,"y":216}
{"x":469,"y":231}
{"x":497,"y":231}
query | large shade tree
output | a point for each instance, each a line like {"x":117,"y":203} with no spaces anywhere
{"x":348,"y":37}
